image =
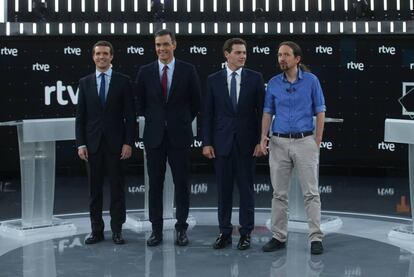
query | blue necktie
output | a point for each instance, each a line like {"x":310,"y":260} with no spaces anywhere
{"x":233,"y":90}
{"x":102,"y":89}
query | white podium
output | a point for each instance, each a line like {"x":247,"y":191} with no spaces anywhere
{"x":402,"y":131}
{"x":37,"y":139}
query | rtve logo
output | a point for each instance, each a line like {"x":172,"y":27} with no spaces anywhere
{"x":355,"y":66}
{"x":72,"y":51}
{"x":59,"y":91}
{"x":261,"y":50}
{"x":411,"y":66}
{"x":41,"y":67}
{"x":323,"y":50}
{"x":9,"y":52}
{"x":135,"y":50}
{"x":198,"y":50}
{"x":386,"y":146}
{"x":326,"y":145}
{"x":386,"y":50}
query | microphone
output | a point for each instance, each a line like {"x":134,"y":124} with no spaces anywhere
{"x":290,"y":90}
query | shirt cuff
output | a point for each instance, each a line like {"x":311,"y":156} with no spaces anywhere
{"x":82,"y":146}
{"x":268,"y":110}
{"x":320,"y":109}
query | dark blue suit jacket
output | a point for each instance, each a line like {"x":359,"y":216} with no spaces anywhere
{"x":174,"y":116}
{"x":115,"y":121}
{"x":222,"y":126}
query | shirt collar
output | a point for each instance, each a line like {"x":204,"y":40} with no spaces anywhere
{"x":300,"y":75}
{"x":229,"y":71}
{"x":170,"y":65}
{"x":107,"y":73}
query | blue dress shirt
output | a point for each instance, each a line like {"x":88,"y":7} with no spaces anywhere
{"x":294,"y":104}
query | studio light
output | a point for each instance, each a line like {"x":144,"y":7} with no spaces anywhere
{"x":40,"y":11}
{"x":157,"y":10}
{"x":362,"y":9}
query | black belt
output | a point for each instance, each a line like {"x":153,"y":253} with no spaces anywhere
{"x":293,"y":135}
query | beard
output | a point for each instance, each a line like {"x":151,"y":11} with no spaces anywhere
{"x":284,"y":67}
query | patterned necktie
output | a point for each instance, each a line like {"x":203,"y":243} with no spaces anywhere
{"x":164,"y":82}
{"x":233,"y":90}
{"x":102,"y":89}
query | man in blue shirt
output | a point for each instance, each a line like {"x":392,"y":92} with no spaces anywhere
{"x":293,"y":97}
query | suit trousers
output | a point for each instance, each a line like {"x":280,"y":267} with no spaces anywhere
{"x":303,"y":154}
{"x":101,"y":162}
{"x":239,"y":168}
{"x":179,"y":160}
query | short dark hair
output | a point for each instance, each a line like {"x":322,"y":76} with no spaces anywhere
{"x":228,"y":44}
{"x":103,"y":43}
{"x":165,"y":32}
{"x":297,"y":51}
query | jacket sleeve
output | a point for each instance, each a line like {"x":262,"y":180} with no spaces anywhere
{"x":207,"y":115}
{"x":195,"y":93}
{"x":129,"y":113}
{"x":260,"y":94}
{"x":81,"y":114}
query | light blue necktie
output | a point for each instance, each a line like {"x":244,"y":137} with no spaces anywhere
{"x":233,"y":90}
{"x":102,"y":89}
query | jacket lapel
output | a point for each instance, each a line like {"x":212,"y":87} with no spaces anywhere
{"x":156,"y":73}
{"x":175,"y":79}
{"x":93,"y":89}
{"x":243,"y":84}
{"x":112,"y":86}
{"x":226,"y":94}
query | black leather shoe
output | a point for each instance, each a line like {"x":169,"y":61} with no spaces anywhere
{"x":117,"y":238}
{"x":154,"y":239}
{"x":94,"y":238}
{"x":222,"y":241}
{"x":273,"y":245}
{"x":244,"y":242}
{"x":316,"y":247}
{"x":181,"y":238}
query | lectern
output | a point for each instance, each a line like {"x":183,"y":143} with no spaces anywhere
{"x":402,"y":131}
{"x":37,"y":139}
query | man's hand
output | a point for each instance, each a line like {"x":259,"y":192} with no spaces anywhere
{"x":126,"y":152}
{"x":258,"y":151}
{"x":263,"y":144}
{"x":83,"y":153}
{"x":208,"y":152}
{"x":318,"y":141}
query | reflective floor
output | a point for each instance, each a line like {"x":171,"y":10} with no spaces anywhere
{"x":359,"y":248}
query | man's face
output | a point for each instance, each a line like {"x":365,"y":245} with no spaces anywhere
{"x":237,"y":57}
{"x":165,"y":47}
{"x":286,"y":58}
{"x":102,"y":57}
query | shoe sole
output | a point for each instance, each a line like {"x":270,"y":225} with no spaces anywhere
{"x":274,"y":249}
{"x":225,"y":246}
{"x":154,"y":244}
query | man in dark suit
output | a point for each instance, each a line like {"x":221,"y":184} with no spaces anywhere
{"x":169,"y":98}
{"x":105,"y":127}
{"x":231,"y":136}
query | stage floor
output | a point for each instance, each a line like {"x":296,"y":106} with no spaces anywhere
{"x":360,"y":247}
